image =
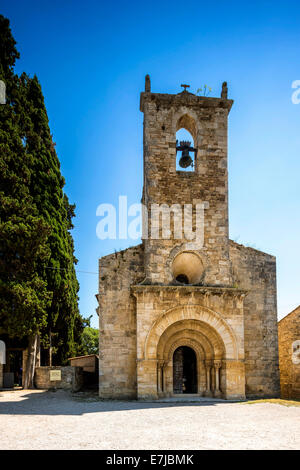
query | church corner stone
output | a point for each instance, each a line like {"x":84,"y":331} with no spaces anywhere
{"x":289,"y":355}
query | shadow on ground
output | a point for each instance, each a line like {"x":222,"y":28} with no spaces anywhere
{"x":61,"y":402}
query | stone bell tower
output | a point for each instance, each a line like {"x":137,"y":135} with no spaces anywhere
{"x":183,"y":313}
{"x":207,"y":182}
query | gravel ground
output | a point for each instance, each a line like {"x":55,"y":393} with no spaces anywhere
{"x":58,"y":420}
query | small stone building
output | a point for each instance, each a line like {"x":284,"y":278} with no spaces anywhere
{"x":289,"y":355}
{"x":180,"y":315}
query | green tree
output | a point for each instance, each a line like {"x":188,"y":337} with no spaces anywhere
{"x":89,"y":341}
{"x":38,"y":285}
{"x":24,"y":296}
{"x":64,"y":323}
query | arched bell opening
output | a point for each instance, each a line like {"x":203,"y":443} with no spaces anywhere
{"x":185,"y":151}
{"x":186,"y":144}
{"x":185,"y":371}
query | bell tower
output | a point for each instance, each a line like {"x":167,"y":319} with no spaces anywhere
{"x":200,"y":182}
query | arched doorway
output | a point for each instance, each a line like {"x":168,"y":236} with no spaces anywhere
{"x":184,"y":370}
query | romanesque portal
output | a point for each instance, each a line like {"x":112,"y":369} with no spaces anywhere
{"x":180,"y":315}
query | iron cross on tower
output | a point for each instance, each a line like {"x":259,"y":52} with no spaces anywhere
{"x":185,"y":86}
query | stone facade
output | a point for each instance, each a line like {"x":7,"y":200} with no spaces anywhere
{"x":289,"y":355}
{"x":117,"y":322}
{"x":255,"y":272}
{"x":208,"y":294}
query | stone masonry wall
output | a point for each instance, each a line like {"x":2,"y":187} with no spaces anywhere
{"x":288,"y":333}
{"x":71,"y":378}
{"x":256,"y":271}
{"x":117,"y":322}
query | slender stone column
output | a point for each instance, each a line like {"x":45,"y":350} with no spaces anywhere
{"x":217,"y":366}
{"x":162,"y":385}
{"x":201,"y":368}
{"x":168,"y":378}
{"x":208,"y":366}
{"x":160,"y":377}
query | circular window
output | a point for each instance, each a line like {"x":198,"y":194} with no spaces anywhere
{"x":187,"y":268}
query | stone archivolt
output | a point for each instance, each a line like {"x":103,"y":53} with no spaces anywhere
{"x":208,"y":347}
{"x":200,"y":329}
{"x":210,"y":324}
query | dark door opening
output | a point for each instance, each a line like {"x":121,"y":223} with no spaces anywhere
{"x":13,"y":366}
{"x":184,"y":370}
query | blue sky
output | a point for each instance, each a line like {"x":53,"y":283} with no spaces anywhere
{"x":91,"y":58}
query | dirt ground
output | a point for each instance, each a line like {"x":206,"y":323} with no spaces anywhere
{"x":59,"y":420}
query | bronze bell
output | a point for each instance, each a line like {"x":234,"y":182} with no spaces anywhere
{"x":185,"y":160}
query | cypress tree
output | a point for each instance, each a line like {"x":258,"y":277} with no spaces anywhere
{"x":24,"y":296}
{"x":38,"y":285}
{"x":64,"y":322}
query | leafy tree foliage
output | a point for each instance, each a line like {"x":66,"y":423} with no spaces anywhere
{"x":89,"y":341}
{"x":23,"y":232}
{"x":38,"y":285}
{"x":63,"y":320}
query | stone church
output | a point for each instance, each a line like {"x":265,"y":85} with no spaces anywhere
{"x":181,"y":315}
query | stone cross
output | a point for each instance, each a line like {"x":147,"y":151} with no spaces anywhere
{"x":147,"y":84}
{"x":224,"y":93}
{"x":185,"y":86}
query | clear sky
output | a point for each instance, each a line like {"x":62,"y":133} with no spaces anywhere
{"x":91,"y":58}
